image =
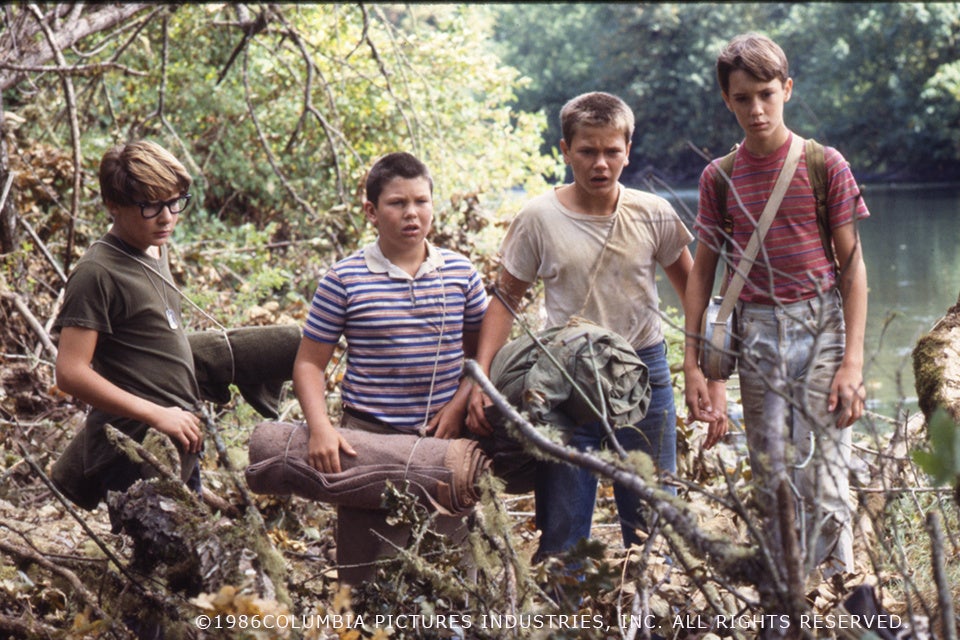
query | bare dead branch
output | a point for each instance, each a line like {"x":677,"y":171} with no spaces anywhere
{"x":78,"y":70}
{"x":265,"y":145}
{"x":88,"y":598}
{"x":386,"y":77}
{"x":332,"y":132}
{"x":26,"y":628}
{"x":40,"y":244}
{"x":18,"y":41}
{"x":24,"y":310}
{"x":160,"y":112}
{"x":74,"y":134}
{"x":108,"y":552}
{"x":250,"y":29}
{"x":944,"y":598}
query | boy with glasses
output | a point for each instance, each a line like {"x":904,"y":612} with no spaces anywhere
{"x":122,"y":347}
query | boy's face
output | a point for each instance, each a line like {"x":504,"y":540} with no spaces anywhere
{"x":403,"y":214}
{"x":130,"y":225}
{"x":758,"y":106}
{"x":597,"y":156}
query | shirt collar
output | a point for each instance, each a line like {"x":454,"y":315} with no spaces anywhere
{"x":378,"y":263}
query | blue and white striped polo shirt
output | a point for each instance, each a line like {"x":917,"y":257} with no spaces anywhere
{"x":393,"y":325}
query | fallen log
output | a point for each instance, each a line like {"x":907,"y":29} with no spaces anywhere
{"x":936,"y":366}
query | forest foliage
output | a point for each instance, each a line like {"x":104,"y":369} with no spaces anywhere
{"x":877,"y":80}
{"x":278,"y":110}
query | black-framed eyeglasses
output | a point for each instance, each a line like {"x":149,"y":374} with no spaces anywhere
{"x":175,"y":206}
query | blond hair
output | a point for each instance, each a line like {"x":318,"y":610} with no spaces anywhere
{"x":141,"y":171}
{"x":596,"y":109}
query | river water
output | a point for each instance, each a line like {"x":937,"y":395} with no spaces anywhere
{"x":911,"y":246}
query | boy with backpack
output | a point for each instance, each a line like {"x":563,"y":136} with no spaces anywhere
{"x":801,"y":313}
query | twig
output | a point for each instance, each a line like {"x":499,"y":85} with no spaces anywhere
{"x":74,"y":69}
{"x":76,"y":516}
{"x":786,"y":508}
{"x":944,"y":598}
{"x":24,"y":628}
{"x":29,"y":554}
{"x":43,"y":248}
{"x":265,"y":144}
{"x":24,"y":311}
{"x":6,"y":189}
{"x":74,"y":133}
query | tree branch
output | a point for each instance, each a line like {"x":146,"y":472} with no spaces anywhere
{"x":730,"y":558}
{"x":74,"y":134}
{"x":13,"y":41}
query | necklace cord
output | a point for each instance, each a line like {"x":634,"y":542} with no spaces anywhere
{"x":194,"y":305}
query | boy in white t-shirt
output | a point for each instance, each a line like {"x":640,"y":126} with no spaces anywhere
{"x":596,"y":245}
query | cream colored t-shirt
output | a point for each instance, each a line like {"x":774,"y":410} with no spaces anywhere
{"x":561,"y":247}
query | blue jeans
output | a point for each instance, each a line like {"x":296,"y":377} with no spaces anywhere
{"x":566,"y":495}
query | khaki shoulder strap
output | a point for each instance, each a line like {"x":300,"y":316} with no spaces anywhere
{"x":817,"y":172}
{"x":723,"y":177}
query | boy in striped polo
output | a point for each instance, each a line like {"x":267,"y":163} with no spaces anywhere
{"x":410,"y":313}
{"x":801,"y":320}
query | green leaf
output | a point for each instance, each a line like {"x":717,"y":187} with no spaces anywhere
{"x":942,"y":461}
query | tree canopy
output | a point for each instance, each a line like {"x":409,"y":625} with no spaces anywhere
{"x":277,"y":110}
{"x":877,"y":80}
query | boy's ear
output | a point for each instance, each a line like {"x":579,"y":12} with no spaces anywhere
{"x":112,"y":208}
{"x":726,"y":99}
{"x":564,"y":149}
{"x":787,"y":89}
{"x":370,"y":210}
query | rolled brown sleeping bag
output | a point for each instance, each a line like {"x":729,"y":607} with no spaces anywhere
{"x":442,"y":473}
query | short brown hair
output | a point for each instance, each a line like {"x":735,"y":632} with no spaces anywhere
{"x":756,"y":54}
{"x":398,"y":164}
{"x":596,"y":109}
{"x":140,"y":171}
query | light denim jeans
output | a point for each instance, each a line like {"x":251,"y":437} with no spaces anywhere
{"x":789,"y":356}
{"x":566,"y":495}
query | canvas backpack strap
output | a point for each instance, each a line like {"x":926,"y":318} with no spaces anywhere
{"x":817,"y":173}
{"x":723,"y":178}
{"x":763,"y":225}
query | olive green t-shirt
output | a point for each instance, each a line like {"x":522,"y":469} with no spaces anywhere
{"x":114,"y":291}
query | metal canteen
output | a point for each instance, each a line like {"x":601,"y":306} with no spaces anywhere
{"x":719,"y":345}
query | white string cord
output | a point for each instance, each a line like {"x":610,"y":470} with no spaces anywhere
{"x":436,"y":359}
{"x":172,"y":285}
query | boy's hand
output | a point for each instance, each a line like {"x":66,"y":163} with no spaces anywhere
{"x":847,"y":395}
{"x":706,"y":402}
{"x":182,"y":426}
{"x":448,"y":422}
{"x":476,"y":417}
{"x":323,"y":449}
{"x":716,"y":429}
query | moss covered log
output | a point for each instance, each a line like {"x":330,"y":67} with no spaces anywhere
{"x":936,"y":366}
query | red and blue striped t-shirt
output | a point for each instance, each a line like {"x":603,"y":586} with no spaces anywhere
{"x":792,"y":265}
